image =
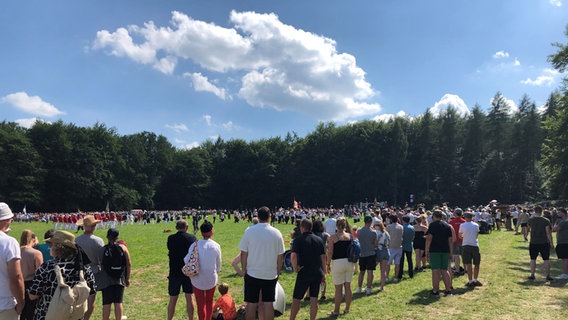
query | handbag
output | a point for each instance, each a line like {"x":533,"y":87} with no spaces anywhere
{"x":191,"y":268}
{"x":68,"y":303}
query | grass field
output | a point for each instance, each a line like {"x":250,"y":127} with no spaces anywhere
{"x":506,"y":293}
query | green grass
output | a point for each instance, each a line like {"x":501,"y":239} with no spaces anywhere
{"x":506,"y":293}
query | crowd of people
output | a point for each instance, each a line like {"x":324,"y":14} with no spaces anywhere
{"x":443,"y":239}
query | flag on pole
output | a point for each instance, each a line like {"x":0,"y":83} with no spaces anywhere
{"x":24,"y":211}
{"x":296,"y":205}
{"x":107,"y":207}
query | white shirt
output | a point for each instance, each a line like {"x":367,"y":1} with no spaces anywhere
{"x":469,"y":231}
{"x":209,"y":253}
{"x":263,"y":244}
{"x":329,"y":225}
{"x":9,"y":250}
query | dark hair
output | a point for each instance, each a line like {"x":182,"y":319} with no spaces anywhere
{"x":306,"y":224}
{"x":393,"y":218}
{"x":406,"y":219}
{"x":48,"y":234}
{"x":223,"y":288}
{"x":317,"y":226}
{"x":438,"y":214}
{"x":206,"y":226}
{"x":263,"y":214}
{"x":63,"y":252}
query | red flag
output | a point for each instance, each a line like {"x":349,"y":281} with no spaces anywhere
{"x":296,"y":205}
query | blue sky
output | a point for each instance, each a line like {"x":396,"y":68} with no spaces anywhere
{"x":196,"y":70}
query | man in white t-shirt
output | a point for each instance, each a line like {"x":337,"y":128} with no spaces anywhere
{"x":329,"y":224}
{"x":11,"y":279}
{"x":262,"y":254}
{"x":468,"y":231}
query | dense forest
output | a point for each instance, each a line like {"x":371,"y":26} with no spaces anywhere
{"x":515,"y":157}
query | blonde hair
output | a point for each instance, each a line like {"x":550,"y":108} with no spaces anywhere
{"x":27,"y":238}
{"x":342,"y":225}
{"x":380,"y":226}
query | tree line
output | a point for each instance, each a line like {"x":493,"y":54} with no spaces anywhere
{"x":514,"y":157}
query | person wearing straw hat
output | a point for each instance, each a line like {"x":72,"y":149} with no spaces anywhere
{"x":65,"y":255}
{"x":91,"y":246}
{"x":11,"y":279}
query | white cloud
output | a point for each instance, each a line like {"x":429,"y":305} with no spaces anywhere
{"x":547,"y":78}
{"x":190,"y":146}
{"x":386,"y":117}
{"x":178,"y":127}
{"x":516,"y":63}
{"x":556,"y":3}
{"x":513,"y":108}
{"x":500,"y":54}
{"x":28,"y":122}
{"x":207,"y":119}
{"x":280,"y":66}
{"x":450,"y":99}
{"x":31,"y":104}
{"x":201,"y":83}
{"x":228,"y":126}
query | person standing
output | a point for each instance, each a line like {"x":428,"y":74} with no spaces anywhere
{"x":11,"y":280}
{"x":407,"y":239}
{"x":468,"y":232}
{"x":561,"y":229}
{"x":367,"y":261}
{"x":330,"y":223}
{"x":92,"y":246}
{"x":44,"y":247}
{"x":341,"y":269}
{"x":262,"y":253}
{"x":439,"y":246}
{"x":308,"y":261}
{"x":31,"y":260}
{"x":178,"y":245}
{"x":523,"y":221}
{"x":395,"y":246}
{"x":112,"y":287}
{"x":205,"y":282}
{"x":540,"y":242}
{"x":455,"y":222}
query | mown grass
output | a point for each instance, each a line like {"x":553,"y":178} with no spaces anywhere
{"x":506,"y":293}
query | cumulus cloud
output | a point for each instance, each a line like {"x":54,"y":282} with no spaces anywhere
{"x":31,"y":104}
{"x":190,"y":146}
{"x":279,"y":66}
{"x":178,"y":127}
{"x":556,"y":3}
{"x":28,"y":122}
{"x":228,"y":126}
{"x":201,"y":83}
{"x":513,"y":108}
{"x":547,"y":78}
{"x":500,"y":54}
{"x":386,"y":117}
{"x":450,"y":100}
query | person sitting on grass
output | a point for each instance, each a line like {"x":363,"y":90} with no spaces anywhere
{"x":224,"y":308}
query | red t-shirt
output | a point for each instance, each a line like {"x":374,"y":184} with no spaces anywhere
{"x":227,"y":304}
{"x":455,"y":223}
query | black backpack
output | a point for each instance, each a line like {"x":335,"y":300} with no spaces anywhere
{"x":114,"y":260}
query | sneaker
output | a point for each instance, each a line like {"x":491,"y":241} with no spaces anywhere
{"x":435,"y":294}
{"x":476,"y":283}
{"x":368,"y":291}
{"x":531,"y":277}
{"x":448,"y":293}
{"x":563,"y":276}
{"x":395,"y":280}
{"x":549,"y":278}
{"x":470,"y":284}
{"x":358,"y":290}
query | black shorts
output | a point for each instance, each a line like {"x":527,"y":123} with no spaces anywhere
{"x":524,"y":225}
{"x":562,"y":250}
{"x":367,"y":263}
{"x":542,"y":249}
{"x":113,"y":294}
{"x":254,"y":286}
{"x":177,"y":283}
{"x":303,"y":283}
{"x":471,"y":254}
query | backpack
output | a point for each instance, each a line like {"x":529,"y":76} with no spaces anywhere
{"x":191,"y":268}
{"x":68,"y":303}
{"x":114,"y":260}
{"x":354,"y":250}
